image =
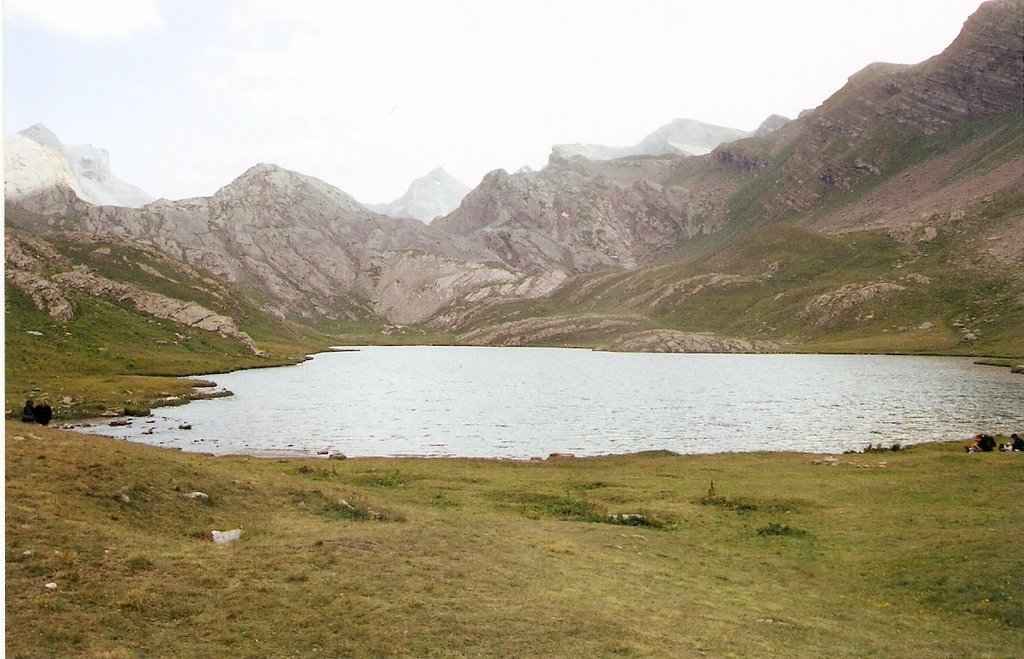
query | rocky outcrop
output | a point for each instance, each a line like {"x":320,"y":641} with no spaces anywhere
{"x":658,"y":297}
{"x":856,"y":162}
{"x":25,"y":262}
{"x":45,"y":295}
{"x":870,"y":129}
{"x":49,"y":279}
{"x":828,"y":309}
{"x":534,"y":331}
{"x":413,"y":285}
{"x":307,"y":247}
{"x":182,"y":312}
{"x":771,"y":124}
{"x":687,"y":342}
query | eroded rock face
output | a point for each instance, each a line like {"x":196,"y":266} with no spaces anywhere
{"x":688,"y":342}
{"x":853,"y":138}
{"x":413,"y":285}
{"x":25,"y":264}
{"x":309,"y":249}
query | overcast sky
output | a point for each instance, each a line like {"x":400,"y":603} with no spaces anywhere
{"x":187,"y":94}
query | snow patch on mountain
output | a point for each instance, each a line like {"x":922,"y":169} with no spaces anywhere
{"x":35,"y":160}
{"x":428,"y":197}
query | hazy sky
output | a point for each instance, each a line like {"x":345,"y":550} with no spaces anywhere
{"x":187,"y":94}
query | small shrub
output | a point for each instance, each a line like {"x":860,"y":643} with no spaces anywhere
{"x":738,"y":505}
{"x":394,"y":479}
{"x":879,"y":448}
{"x":443,"y":501}
{"x":637,"y":519}
{"x":568,"y":508}
{"x":136,"y":410}
{"x":712,"y":498}
{"x":317,"y":472}
{"x":780,"y":529}
{"x":139,"y":564}
{"x":352,"y":507}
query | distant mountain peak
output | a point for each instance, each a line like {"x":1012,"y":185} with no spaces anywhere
{"x":435,"y":194}
{"x":82,"y":167}
{"x":681,"y":136}
{"x":771,"y":124}
{"x":40,"y":134}
{"x":267,"y":184}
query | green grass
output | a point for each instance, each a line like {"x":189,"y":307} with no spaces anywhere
{"x":911,"y":553}
{"x":110,"y":356}
{"x":808,"y":264}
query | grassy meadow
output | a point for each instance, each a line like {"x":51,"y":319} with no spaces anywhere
{"x":912,"y":553}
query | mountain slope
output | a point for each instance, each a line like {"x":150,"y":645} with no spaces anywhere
{"x":889,"y":119}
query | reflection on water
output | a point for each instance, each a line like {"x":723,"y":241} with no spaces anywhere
{"x":525,"y":402}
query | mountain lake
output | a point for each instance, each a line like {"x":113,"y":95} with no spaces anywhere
{"x":521,"y":403}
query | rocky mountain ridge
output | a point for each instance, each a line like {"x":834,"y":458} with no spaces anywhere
{"x":680,"y":137}
{"x":930,"y":157}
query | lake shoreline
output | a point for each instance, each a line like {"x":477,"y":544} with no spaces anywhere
{"x":440,"y":401}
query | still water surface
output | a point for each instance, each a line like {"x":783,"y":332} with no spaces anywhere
{"x":526,"y":402}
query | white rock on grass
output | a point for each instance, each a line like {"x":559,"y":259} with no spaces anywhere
{"x":226,"y":537}
{"x":198,"y":495}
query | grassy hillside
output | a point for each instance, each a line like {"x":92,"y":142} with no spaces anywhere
{"x":109,"y":355}
{"x":763,"y":284}
{"x":909,"y":553}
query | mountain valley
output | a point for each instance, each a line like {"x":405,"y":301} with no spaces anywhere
{"x":888,"y":219}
